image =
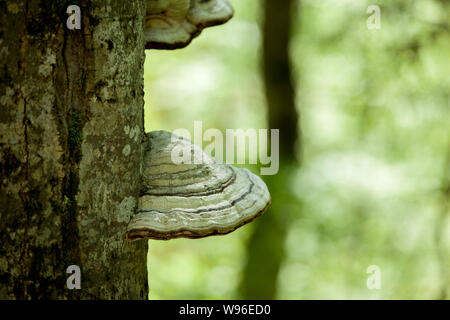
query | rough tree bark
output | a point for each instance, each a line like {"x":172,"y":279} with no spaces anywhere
{"x":71,"y":131}
{"x":266,"y":245}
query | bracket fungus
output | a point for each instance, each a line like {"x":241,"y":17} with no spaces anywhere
{"x":173,"y":24}
{"x":193,"y":199}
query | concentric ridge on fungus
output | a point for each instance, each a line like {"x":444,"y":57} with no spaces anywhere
{"x":173,"y":24}
{"x":193,"y":200}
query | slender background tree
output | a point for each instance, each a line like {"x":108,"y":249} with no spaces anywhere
{"x":266,"y":246}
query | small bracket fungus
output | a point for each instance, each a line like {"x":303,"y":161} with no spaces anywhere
{"x":192,"y":200}
{"x":172,"y":24}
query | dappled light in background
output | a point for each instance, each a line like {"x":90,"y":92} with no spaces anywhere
{"x":375,"y":117}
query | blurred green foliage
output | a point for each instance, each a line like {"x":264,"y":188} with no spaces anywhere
{"x":375,"y":118}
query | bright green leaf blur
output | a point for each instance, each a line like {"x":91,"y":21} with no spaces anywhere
{"x":375,"y":118}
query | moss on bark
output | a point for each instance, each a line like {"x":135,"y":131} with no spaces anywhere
{"x":65,"y":97}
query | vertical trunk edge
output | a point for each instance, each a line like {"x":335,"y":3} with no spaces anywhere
{"x":71,"y":137}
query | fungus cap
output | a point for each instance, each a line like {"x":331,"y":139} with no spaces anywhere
{"x":193,"y":200}
{"x":208,"y":13}
{"x":172,"y":24}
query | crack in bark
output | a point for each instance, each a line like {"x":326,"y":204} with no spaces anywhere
{"x":24,"y":188}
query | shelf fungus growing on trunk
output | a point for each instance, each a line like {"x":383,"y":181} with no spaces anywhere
{"x":172,"y":24}
{"x":198,"y":198}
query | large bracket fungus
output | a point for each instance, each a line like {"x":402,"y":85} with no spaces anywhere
{"x":172,"y":24}
{"x":199,"y":198}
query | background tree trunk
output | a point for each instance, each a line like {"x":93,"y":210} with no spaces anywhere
{"x":266,"y":246}
{"x":440,"y":232}
{"x":71,"y":132}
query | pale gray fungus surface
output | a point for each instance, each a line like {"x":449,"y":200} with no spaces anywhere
{"x":172,"y":24}
{"x":196,"y":199}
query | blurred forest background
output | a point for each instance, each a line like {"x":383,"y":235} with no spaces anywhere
{"x":365,"y":144}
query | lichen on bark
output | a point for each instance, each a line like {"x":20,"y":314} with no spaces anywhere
{"x":66,"y":187}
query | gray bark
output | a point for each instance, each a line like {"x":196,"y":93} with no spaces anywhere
{"x":71,"y":132}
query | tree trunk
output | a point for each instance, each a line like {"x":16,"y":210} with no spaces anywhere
{"x":440,"y":231}
{"x":71,"y":132}
{"x":266,"y":245}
